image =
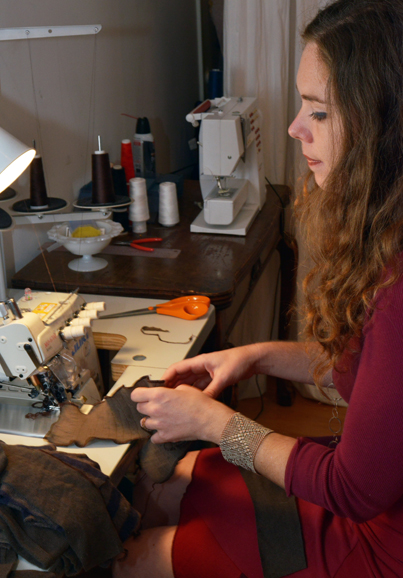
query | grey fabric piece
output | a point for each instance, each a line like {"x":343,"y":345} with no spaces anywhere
{"x":280,"y":539}
{"x":159,"y":460}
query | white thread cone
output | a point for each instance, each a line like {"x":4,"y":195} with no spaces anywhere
{"x":138,"y":211}
{"x":168,"y":214}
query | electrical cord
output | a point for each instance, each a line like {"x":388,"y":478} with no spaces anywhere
{"x":271,"y":335}
{"x":283,"y":206}
{"x":261,"y":399}
{"x":276,"y":193}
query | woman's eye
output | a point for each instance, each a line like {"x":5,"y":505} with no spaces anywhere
{"x":318,"y":115}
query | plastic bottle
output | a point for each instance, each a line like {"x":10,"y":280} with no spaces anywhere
{"x":144,"y":149}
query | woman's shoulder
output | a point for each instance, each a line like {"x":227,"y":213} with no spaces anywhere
{"x":393,"y":281}
{"x":388,"y":301}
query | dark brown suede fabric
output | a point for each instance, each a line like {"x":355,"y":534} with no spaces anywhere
{"x":116,"y":418}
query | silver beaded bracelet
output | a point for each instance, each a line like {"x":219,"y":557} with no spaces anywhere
{"x":241,"y":439}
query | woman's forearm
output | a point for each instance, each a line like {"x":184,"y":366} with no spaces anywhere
{"x":272,"y":456}
{"x":294,"y":361}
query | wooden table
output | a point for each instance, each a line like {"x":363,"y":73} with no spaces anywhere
{"x":223,"y":267}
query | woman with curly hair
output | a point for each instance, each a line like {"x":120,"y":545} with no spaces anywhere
{"x":262,"y":504}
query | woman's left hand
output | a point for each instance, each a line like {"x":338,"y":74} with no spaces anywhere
{"x":181,"y":414}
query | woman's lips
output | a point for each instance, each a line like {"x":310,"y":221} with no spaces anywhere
{"x":312,"y":162}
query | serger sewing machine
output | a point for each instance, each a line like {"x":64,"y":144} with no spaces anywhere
{"x":47,"y":356}
{"x":231,"y":165}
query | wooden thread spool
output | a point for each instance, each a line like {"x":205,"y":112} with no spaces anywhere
{"x":102,"y":184}
{"x":38,"y":195}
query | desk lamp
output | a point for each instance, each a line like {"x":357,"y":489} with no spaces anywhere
{"x":14,"y":159}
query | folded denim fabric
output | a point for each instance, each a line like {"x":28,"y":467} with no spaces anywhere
{"x":59,"y":512}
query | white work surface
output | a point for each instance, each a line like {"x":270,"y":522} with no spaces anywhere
{"x":157,"y":357}
{"x":152,"y":355}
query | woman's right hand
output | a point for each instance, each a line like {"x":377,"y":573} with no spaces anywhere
{"x":213,"y":372}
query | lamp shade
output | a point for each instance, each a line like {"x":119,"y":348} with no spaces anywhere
{"x":14,"y":158}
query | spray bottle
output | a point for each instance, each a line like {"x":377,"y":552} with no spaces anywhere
{"x":143,"y":149}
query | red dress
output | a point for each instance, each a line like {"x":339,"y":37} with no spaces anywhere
{"x":349,"y":498}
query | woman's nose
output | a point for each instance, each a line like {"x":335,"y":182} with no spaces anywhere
{"x":299,"y":131}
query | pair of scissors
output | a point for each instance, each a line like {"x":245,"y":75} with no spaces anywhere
{"x":189,"y":307}
{"x":136,"y":244}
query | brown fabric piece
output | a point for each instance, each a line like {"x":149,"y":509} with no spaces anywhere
{"x":116,"y":418}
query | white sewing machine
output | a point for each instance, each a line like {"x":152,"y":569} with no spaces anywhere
{"x":47,"y":356}
{"x":231,"y":165}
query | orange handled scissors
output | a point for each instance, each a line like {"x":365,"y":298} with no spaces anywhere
{"x":189,"y":307}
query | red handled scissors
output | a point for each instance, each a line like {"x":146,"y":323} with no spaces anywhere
{"x":136,"y":243}
{"x":189,"y":307}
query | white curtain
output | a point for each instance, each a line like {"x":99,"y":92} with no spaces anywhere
{"x":261,"y":57}
{"x":262,"y":50}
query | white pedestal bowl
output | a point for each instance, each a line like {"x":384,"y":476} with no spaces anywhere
{"x":87,"y":247}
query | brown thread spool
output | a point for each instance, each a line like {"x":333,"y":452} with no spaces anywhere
{"x":102,"y":184}
{"x":38,"y":195}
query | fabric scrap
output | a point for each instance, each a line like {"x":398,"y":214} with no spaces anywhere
{"x":116,"y":418}
{"x":279,"y":533}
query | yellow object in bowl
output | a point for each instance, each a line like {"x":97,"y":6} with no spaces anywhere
{"x":86,"y":231}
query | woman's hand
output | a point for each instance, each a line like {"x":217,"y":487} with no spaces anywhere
{"x":181,"y":414}
{"x":213,"y":372}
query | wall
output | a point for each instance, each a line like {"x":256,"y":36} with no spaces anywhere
{"x":64,"y":92}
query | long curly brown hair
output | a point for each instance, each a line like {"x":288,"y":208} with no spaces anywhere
{"x":354,"y":223}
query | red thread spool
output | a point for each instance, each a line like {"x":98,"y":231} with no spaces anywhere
{"x":127,"y":163}
{"x":38,"y":195}
{"x":102,"y":185}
